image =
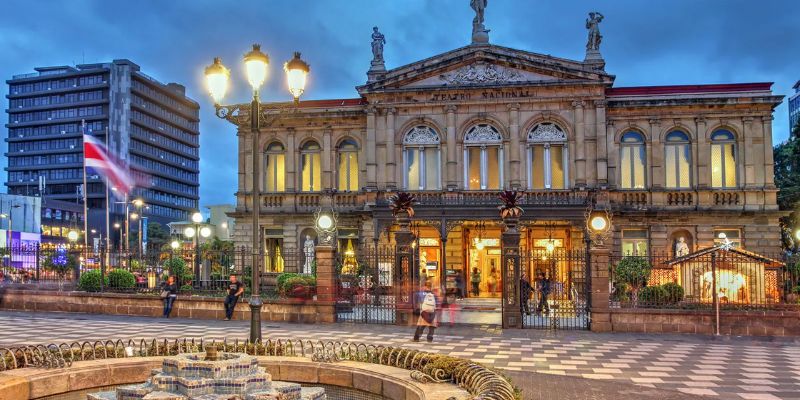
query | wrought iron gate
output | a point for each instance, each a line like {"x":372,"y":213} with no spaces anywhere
{"x":365,"y":285}
{"x":559,"y":299}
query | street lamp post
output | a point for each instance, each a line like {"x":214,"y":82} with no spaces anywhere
{"x":217,"y":77}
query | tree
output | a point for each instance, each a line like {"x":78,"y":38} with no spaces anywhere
{"x":787,"y":179}
{"x":633,"y":271}
{"x":218,"y":253}
{"x":157,"y":236}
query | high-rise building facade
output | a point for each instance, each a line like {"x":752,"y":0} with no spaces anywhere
{"x":151,"y":126}
{"x":794,"y":106}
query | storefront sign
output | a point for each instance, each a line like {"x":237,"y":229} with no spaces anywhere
{"x":428,"y":242}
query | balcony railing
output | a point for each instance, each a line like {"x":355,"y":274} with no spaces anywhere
{"x":491,"y":198}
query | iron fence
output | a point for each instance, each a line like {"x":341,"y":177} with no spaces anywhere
{"x":559,"y":293}
{"x":364,"y":281}
{"x":204,"y":272}
{"x":733,"y":278}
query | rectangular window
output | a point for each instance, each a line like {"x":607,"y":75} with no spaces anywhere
{"x":431,"y":168}
{"x":723,"y":165}
{"x":493,"y":168}
{"x":311,"y":173}
{"x":732,"y":236}
{"x":275,"y":173}
{"x":537,"y":168}
{"x":556,"y":167}
{"x":348,"y":171}
{"x":632,"y":167}
{"x":634,"y":242}
{"x":413,"y":169}
{"x":474,"y":168}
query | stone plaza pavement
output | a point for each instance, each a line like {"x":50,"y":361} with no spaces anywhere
{"x":546,"y":364}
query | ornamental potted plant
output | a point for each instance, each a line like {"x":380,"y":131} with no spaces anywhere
{"x":402,"y":203}
{"x":510,"y":207}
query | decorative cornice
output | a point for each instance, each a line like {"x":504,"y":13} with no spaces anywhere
{"x":654,"y":121}
{"x":747,"y":120}
{"x":513,"y":107}
{"x":700,"y":120}
{"x":577,"y":104}
{"x":450,"y":108}
{"x":482,"y":73}
{"x":600,"y":103}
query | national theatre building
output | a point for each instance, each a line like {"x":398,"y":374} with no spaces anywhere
{"x":681,"y":163}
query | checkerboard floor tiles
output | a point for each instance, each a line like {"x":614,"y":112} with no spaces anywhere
{"x":728,"y":368}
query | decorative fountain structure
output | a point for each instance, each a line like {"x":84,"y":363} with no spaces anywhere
{"x":215,"y":376}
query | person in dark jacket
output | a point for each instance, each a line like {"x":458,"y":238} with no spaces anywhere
{"x":543,"y":285}
{"x":170,"y":288}
{"x":525,"y":294}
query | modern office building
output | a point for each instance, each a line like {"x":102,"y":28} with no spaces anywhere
{"x":59,"y":218}
{"x":794,"y":106}
{"x":151,"y":126}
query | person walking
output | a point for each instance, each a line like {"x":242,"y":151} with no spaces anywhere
{"x":235,"y":290}
{"x":427,"y":314}
{"x":543,"y":287}
{"x":475,"y":279}
{"x":491,"y":281}
{"x":525,"y":294}
{"x":169,"y":292}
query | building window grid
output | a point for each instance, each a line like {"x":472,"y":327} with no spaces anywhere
{"x":634,"y":242}
{"x":150,"y":136}
{"x":63,"y":113}
{"x":67,"y":98}
{"x":172,"y":117}
{"x":348,"y":166}
{"x":56,"y":129}
{"x":158,"y":125}
{"x":632,"y":161}
{"x":723,"y":160}
{"x":678,"y":160}
{"x":310,"y":168}
{"x":733,"y":236}
{"x":55,"y":84}
{"x":275,"y":168}
{"x":165,"y":99}
{"x":547,"y":142}
{"x":163,"y":155}
{"x":173,"y":172}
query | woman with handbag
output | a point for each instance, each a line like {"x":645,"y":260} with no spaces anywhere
{"x":427,"y":314}
{"x":169,"y":292}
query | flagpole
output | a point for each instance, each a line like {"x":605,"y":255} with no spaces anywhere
{"x":108,"y":223}
{"x":85,"y":192}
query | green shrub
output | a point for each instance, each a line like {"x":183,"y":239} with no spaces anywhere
{"x":281,"y":279}
{"x":652,"y":296}
{"x":186,"y":288}
{"x":90,"y":281}
{"x":674,"y":292}
{"x":121,"y":279}
{"x":177,"y":268}
{"x":634,"y":271}
{"x":797,"y":289}
{"x":290,"y":284}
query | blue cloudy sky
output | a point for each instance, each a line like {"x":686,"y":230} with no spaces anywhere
{"x":645,"y":43}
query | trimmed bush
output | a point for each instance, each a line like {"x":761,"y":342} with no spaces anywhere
{"x":674,"y":292}
{"x":281,"y":279}
{"x":652,"y":296}
{"x":121,"y":279}
{"x":186,"y":288}
{"x":298,"y":286}
{"x":634,"y":271}
{"x":90,"y":281}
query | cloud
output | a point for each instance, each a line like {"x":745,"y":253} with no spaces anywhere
{"x":645,"y":43}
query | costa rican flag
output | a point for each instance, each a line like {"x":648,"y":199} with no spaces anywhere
{"x":96,"y":157}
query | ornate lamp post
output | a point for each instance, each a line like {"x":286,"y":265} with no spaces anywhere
{"x":195,"y":232}
{"x":217,"y":77}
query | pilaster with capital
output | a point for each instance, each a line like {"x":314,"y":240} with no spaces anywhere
{"x":372,"y":181}
{"x":513,"y":130}
{"x":291,"y":162}
{"x":327,"y":149}
{"x":452,"y":154}
{"x":611,"y":153}
{"x":391,"y":181}
{"x":602,"y":142}
{"x":769,"y":161}
{"x":655,"y":155}
{"x":580,"y":148}
{"x":752,"y":152}
{"x":703,"y":154}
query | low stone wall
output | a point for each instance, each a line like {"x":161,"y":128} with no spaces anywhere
{"x":737,"y":323}
{"x":388,"y":382}
{"x":284,"y":310}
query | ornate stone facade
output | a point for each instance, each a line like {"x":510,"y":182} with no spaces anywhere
{"x":544,"y":115}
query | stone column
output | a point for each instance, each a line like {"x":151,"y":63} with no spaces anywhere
{"x":290,"y":161}
{"x":612,"y":153}
{"x":512,"y":312}
{"x":372,"y":181}
{"x":601,"y":142}
{"x":391,"y":173}
{"x":327,"y":151}
{"x":404,"y":272}
{"x":326,"y":283}
{"x":769,"y":161}
{"x":514,"y":161}
{"x":655,"y":155}
{"x":452,"y":153}
{"x":599,"y":259}
{"x":703,"y":154}
{"x":580,"y":145}
{"x":748,"y":155}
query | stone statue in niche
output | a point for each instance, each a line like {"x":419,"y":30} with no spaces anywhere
{"x":681,"y":248}
{"x":309,"y":250}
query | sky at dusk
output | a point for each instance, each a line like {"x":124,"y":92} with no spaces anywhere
{"x":645,"y":43}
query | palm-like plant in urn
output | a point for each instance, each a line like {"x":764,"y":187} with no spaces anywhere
{"x":402,"y":203}
{"x":510,"y":207}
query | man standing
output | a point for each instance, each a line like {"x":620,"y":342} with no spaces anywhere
{"x":235,"y":290}
{"x":525,"y":289}
{"x":543,"y":285}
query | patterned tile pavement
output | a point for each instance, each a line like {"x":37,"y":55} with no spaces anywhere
{"x":726,"y":368}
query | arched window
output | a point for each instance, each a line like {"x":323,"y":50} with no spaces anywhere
{"x":632,"y":161}
{"x":274,"y":158}
{"x":677,"y":160}
{"x":483,"y":158}
{"x":348,"y":166}
{"x":421,"y":159}
{"x":547,"y":157}
{"x":310,"y":168}
{"x":723,"y":159}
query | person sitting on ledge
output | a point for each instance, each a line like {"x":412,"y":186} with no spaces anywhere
{"x":235,"y":290}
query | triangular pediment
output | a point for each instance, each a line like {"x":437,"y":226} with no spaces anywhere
{"x":487,"y":66}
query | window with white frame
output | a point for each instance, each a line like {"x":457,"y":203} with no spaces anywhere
{"x":274,"y":171}
{"x":632,"y":161}
{"x":421,"y":159}
{"x":723,"y":159}
{"x":547,"y":157}
{"x":483,"y":158}
{"x":730,"y":236}
{"x":677,"y":160}
{"x":348,"y":166}
{"x":310,"y":168}
{"x":634,"y":242}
